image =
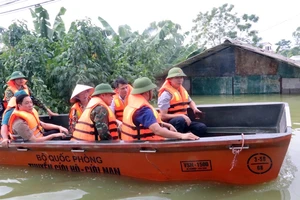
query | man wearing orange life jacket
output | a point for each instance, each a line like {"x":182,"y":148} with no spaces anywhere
{"x":18,"y":82}
{"x":120,"y":100}
{"x":80,"y":98}
{"x":97,"y":121}
{"x":24,"y":122}
{"x":141,"y":121}
{"x":173,"y":101}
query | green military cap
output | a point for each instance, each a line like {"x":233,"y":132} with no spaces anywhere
{"x":142,"y":85}
{"x":16,"y":75}
{"x":175,"y":72}
{"x":102,"y":89}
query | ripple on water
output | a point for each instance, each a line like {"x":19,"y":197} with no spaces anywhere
{"x":10,"y":181}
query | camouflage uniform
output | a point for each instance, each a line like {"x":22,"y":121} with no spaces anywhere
{"x":9,"y":94}
{"x":99,"y":116}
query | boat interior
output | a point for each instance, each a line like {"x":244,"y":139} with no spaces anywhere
{"x":230,"y":119}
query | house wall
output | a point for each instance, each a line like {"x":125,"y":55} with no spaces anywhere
{"x":238,"y":71}
{"x":249,"y":63}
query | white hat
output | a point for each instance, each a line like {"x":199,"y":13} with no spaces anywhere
{"x":80,"y":88}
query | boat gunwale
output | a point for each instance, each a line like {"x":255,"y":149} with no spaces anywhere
{"x":203,"y":142}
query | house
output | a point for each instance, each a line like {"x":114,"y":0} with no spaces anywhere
{"x":234,"y":68}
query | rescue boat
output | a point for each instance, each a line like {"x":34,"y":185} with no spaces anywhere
{"x":246,"y":144}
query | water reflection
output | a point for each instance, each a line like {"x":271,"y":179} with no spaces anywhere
{"x":5,"y":190}
{"x":65,"y":194}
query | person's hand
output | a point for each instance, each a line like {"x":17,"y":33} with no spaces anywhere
{"x":196,"y":110}
{"x":63,"y":130}
{"x":189,"y":136}
{"x":187,"y":120}
{"x":58,"y":135}
{"x":198,"y":113}
{"x":5,"y":142}
{"x":169,"y":126}
{"x":172,"y":128}
{"x":50,"y":113}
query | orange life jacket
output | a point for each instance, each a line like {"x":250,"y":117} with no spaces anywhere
{"x":120,"y":105}
{"x":129,"y":130}
{"x":12,"y":86}
{"x":85,"y":128}
{"x":77,"y":109}
{"x":32,"y":119}
{"x":180,"y":98}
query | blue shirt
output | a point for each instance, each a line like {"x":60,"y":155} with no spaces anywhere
{"x":7,"y":116}
{"x":145,"y":116}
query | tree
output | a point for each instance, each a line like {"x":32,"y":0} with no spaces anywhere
{"x":296,"y":36}
{"x":43,"y":26}
{"x":284,"y":46}
{"x":14,"y":33}
{"x":55,"y":60}
{"x":211,"y":28}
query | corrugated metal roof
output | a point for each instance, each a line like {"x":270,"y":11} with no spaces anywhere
{"x":228,"y":43}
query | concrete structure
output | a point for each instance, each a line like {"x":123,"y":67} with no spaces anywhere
{"x":237,"y":68}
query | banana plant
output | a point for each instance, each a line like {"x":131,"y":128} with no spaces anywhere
{"x":43,"y":26}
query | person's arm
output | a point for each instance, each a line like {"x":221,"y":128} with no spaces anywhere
{"x":40,"y":104}
{"x":4,"y":133}
{"x":168,"y":126}
{"x":112,"y":105}
{"x":8,"y":95}
{"x":158,"y":130}
{"x":164,"y":104}
{"x":4,"y":128}
{"x":49,"y":126}
{"x":20,"y":127}
{"x":73,"y":119}
{"x":193,"y":106}
{"x":45,"y":138}
{"x":99,"y":116}
{"x":146,"y":117}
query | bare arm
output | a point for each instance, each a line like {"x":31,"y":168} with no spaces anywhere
{"x":164,"y":105}
{"x":4,"y":134}
{"x":20,"y":127}
{"x":171,"y":134}
{"x":45,"y":138}
{"x":193,"y":106}
{"x":40,"y":104}
{"x":49,"y":126}
{"x":165,"y":116}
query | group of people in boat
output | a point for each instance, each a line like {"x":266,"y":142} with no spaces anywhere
{"x":104,"y":113}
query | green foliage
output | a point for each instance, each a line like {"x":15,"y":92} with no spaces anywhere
{"x":284,"y":46}
{"x":296,"y":36}
{"x":55,"y":60}
{"x":43,"y":27}
{"x":83,"y":58}
{"x":14,"y":33}
{"x":212,"y":28}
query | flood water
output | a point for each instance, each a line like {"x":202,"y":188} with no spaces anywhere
{"x":29,"y":183}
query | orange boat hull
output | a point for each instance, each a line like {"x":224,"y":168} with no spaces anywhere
{"x":209,"y":159}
